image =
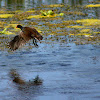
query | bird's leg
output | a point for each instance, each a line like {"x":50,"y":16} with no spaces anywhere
{"x":35,"y":42}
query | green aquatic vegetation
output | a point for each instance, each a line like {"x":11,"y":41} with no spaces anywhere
{"x":76,"y":26}
{"x":69,"y":22}
{"x":85,"y":30}
{"x":89,"y":22}
{"x":53,"y":20}
{"x":41,"y":16}
{"x":21,"y":16}
{"x":6,"y":15}
{"x":30,"y":11}
{"x":13,"y":27}
{"x":88,"y":40}
{"x":2,"y":11}
{"x":96,"y":32}
{"x":6,"y":12}
{"x":61,"y":14}
{"x":84,"y":27}
{"x":18,"y":11}
{"x":61,"y":25}
{"x":6,"y":32}
{"x":92,"y":5}
{"x":45,"y":13}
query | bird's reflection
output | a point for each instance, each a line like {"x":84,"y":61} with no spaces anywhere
{"x":16,"y":78}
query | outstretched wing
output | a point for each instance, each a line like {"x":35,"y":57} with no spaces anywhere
{"x":17,"y":42}
{"x":37,"y":34}
{"x":32,"y":32}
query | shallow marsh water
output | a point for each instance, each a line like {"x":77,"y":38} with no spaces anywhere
{"x":68,"y":64}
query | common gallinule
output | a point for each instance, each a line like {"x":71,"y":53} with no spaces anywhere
{"x":25,"y":35}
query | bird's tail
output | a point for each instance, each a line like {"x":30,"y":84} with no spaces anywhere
{"x":16,"y":77}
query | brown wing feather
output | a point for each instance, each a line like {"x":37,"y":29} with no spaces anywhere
{"x":32,"y":32}
{"x":17,"y":42}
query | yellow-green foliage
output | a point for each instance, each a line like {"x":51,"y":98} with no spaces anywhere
{"x":76,"y":26}
{"x":61,"y":14}
{"x":85,"y":25}
{"x":41,"y":16}
{"x":89,"y":22}
{"x":79,"y":28}
{"x":93,"y":5}
{"x":45,"y":14}
{"x":31,"y":11}
{"x":6,"y":32}
{"x":85,"y":30}
{"x":6,"y":15}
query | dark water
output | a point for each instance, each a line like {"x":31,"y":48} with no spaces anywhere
{"x":69,"y":71}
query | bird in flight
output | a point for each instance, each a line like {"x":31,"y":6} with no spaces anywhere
{"x":25,"y":35}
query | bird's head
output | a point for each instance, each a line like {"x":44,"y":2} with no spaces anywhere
{"x":19,"y":26}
